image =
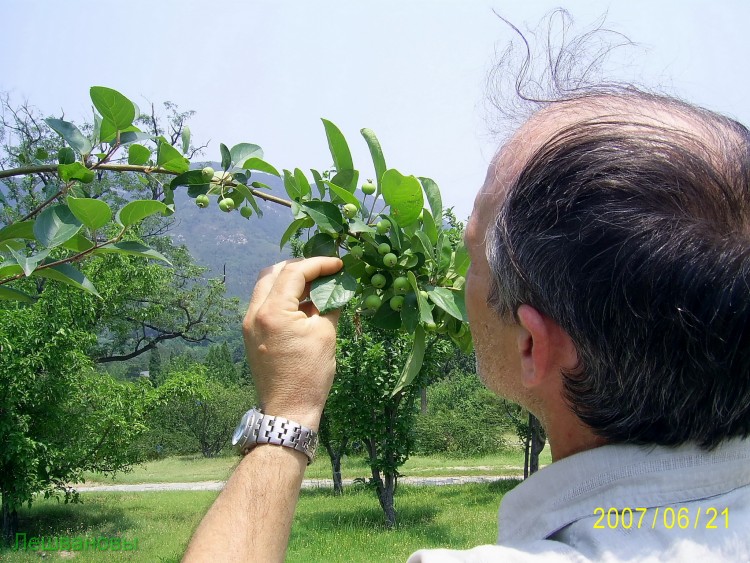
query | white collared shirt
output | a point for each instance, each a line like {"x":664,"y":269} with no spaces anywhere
{"x":667,"y":504}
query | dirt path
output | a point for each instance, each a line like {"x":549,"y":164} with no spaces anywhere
{"x":306,"y":484}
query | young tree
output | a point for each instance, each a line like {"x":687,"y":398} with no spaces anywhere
{"x":57,"y":417}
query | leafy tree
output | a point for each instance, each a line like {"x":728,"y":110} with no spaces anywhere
{"x":154,"y":365}
{"x":219,"y":365}
{"x":191,"y":403}
{"x":362,"y":408}
{"x":57,"y":417}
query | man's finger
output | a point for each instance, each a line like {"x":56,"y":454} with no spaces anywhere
{"x":290,"y":283}
{"x":264,"y":284}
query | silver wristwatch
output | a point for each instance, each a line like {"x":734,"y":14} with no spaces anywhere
{"x":258,"y":428}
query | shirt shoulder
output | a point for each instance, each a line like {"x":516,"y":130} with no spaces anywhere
{"x":542,"y":551}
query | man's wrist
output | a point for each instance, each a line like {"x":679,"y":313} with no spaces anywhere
{"x":309,"y":418}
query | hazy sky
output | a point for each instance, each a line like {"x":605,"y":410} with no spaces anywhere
{"x":413,"y":71}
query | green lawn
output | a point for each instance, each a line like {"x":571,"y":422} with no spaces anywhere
{"x":188,"y":469}
{"x":326,"y":528}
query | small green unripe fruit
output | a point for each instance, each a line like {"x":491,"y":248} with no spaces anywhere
{"x":368,"y":188}
{"x":397,"y":302}
{"x":401,"y":284}
{"x":372,"y":302}
{"x":424,"y":294}
{"x":384,"y":248}
{"x":208,"y":174}
{"x":421,"y":215}
{"x":226,"y":204}
{"x":383,"y":227}
{"x":390,"y":260}
{"x":430,"y":327}
{"x":357,"y":252}
{"x":350,"y":210}
{"x":246,"y":212}
{"x":370,"y":269}
{"x":202,"y":201}
{"x":378,"y":281}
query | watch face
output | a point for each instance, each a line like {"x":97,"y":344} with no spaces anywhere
{"x":237,"y":436}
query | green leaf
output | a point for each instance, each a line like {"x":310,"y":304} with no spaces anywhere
{"x":429,"y":226}
{"x":320,"y":244}
{"x":425,"y":310}
{"x":291,"y":187}
{"x":55,"y":225}
{"x":67,"y":274}
{"x":138,"y":155}
{"x":376,"y":152}
{"x":243,"y":151}
{"x":94,"y":213}
{"x":255,"y":163}
{"x":22,"y":229}
{"x":342,"y":157}
{"x":404,"y":195}
{"x":127,"y":137}
{"x":75,"y":171}
{"x":421,"y":243}
{"x":333,"y":292}
{"x":96,"y":134}
{"x":71,"y":134}
{"x":10,"y":269}
{"x":170,"y":158}
{"x":302,"y":183}
{"x":448,"y":301}
{"x":410,"y":313}
{"x":138,"y":210}
{"x":189,"y":178}
{"x":113,"y":106}
{"x":66,"y":156}
{"x":7,"y":245}
{"x":226,"y":156}
{"x":319,"y":183}
{"x":10,"y":294}
{"x":108,"y":131}
{"x":386,"y":318}
{"x":347,"y":179}
{"x":461,"y":260}
{"x":294,"y":226}
{"x":357,"y":225}
{"x":325,"y":214}
{"x":434,"y":198}
{"x":414,"y":361}
{"x":29,"y":263}
{"x":185,"y":138}
{"x":132,"y":248}
{"x":343,"y":194}
{"x":78,"y":243}
{"x":445,"y":251}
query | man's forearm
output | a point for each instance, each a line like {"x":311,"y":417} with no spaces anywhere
{"x":252,"y":517}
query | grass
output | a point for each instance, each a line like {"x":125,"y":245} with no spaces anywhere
{"x":326,"y":528}
{"x":189,"y":469}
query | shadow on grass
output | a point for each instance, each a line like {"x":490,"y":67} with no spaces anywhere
{"x":79,"y":519}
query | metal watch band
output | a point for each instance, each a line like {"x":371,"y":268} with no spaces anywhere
{"x":258,"y":428}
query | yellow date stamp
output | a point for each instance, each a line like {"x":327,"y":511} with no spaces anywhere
{"x":666,"y":517}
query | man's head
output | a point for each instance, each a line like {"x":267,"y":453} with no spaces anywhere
{"x":623,"y":219}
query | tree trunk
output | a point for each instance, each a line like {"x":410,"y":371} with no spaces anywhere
{"x":10,"y":522}
{"x":423,"y":400}
{"x":537,"y":443}
{"x":386,"y":490}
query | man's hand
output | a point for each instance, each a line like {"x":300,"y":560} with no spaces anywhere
{"x":291,"y":348}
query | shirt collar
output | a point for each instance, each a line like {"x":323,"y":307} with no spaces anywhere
{"x":618,"y":476}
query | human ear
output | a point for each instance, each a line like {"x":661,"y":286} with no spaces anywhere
{"x":534,"y":341}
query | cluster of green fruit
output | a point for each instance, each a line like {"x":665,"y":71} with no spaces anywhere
{"x":228,"y":199}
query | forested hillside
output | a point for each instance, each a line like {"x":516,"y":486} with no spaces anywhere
{"x":244,"y":246}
